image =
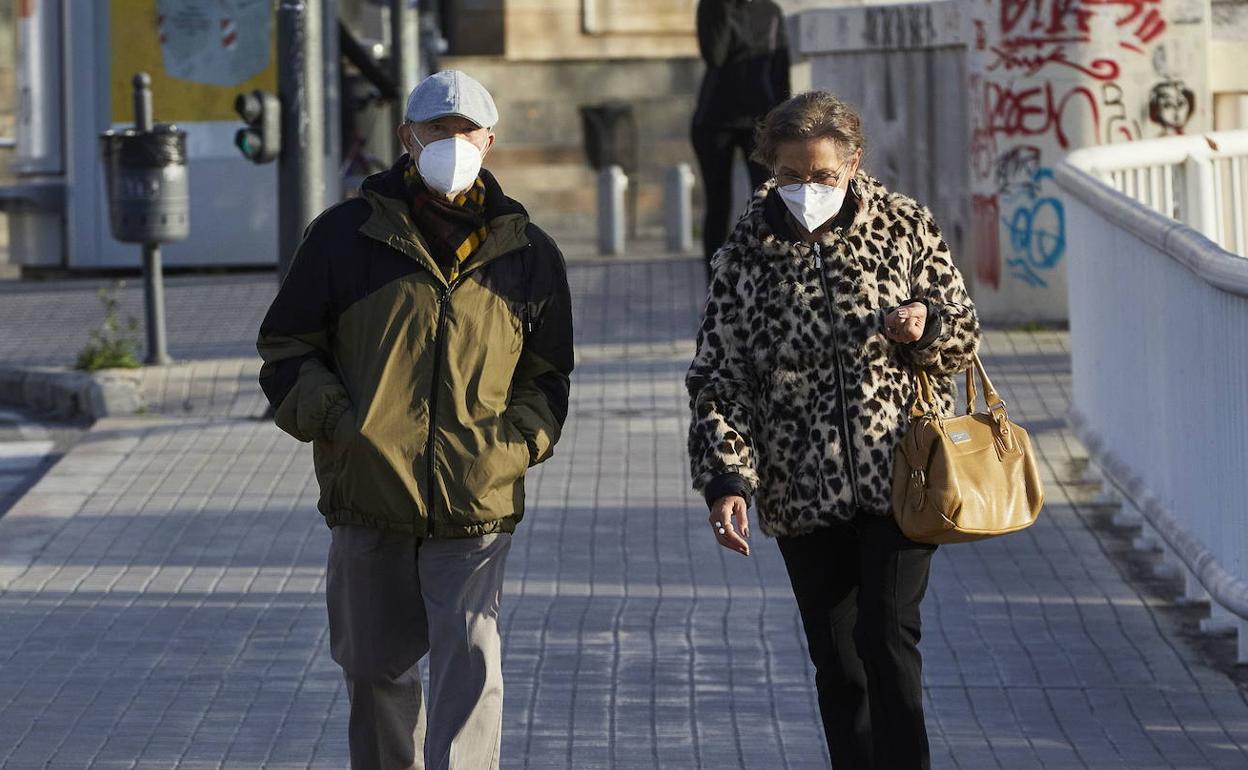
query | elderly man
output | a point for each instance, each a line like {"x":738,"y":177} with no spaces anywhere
{"x":423,"y":343}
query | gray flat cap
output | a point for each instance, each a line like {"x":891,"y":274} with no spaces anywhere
{"x":451,"y":92}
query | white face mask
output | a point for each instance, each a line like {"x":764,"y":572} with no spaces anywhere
{"x":449,"y":166}
{"x":813,"y":204}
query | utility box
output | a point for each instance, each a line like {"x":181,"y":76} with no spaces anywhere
{"x":145,"y":175}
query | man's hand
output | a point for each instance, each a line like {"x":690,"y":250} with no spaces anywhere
{"x":906,"y":323}
{"x":721,"y":518}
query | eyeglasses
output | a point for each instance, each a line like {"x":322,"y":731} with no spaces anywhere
{"x":789,"y":183}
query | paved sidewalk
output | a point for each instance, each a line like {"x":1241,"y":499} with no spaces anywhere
{"x":161,"y":590}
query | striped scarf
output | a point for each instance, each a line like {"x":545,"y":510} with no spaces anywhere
{"x":453,"y":229}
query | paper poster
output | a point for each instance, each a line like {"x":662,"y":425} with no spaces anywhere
{"x":221,"y":42}
{"x":200,"y":55}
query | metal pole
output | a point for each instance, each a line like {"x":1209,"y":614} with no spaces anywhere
{"x":404,"y":48}
{"x":153,"y":280}
{"x":301,"y":88}
{"x":154,"y":294}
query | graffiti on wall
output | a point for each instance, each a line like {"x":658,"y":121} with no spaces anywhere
{"x":1052,"y":75}
{"x":1036,"y":224}
{"x":1033,"y":109}
{"x":906,"y":26}
{"x":1119,"y":125}
{"x":1171,"y":104}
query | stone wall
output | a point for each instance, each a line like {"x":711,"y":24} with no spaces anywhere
{"x":540,"y":158}
{"x":1228,"y":77}
{"x":599,"y":29}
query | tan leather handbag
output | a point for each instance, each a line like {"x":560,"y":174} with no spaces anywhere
{"x":957,"y":479}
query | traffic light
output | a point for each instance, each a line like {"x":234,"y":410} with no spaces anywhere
{"x":261,"y":140}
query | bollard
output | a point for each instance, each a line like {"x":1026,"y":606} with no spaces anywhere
{"x":1193,"y":591}
{"x":678,"y":202}
{"x":612,"y":184}
{"x":1220,"y":620}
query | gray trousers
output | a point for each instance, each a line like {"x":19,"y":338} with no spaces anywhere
{"x":393,"y":598}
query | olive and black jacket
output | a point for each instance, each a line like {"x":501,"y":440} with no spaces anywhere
{"x":425,"y":402}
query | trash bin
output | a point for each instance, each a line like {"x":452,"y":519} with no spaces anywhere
{"x":146,"y":178}
{"x":610,"y":135}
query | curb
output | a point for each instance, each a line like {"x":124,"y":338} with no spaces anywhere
{"x":67,"y":393}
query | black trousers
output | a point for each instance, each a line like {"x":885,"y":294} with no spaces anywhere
{"x":715,"y":148}
{"x":858,"y":587}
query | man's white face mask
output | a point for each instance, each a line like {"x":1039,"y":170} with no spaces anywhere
{"x":813,"y":204}
{"x":449,"y":166}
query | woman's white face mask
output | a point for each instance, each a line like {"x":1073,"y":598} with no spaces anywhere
{"x":813,"y":204}
{"x":449,"y":166}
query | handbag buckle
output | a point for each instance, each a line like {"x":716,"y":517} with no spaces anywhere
{"x":917,"y":476}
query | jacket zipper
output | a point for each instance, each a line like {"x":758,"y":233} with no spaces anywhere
{"x":444,"y":299}
{"x":840,"y":381}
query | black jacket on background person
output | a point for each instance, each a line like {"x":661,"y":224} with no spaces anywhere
{"x":746,"y":51}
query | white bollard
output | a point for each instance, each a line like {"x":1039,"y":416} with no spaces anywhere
{"x":1147,"y":540}
{"x":1220,"y":620}
{"x":1169,"y":566}
{"x":678,"y":205}
{"x":1193,"y":591}
{"x":612,"y":184}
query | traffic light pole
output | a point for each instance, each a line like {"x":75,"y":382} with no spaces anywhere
{"x":301,"y":88}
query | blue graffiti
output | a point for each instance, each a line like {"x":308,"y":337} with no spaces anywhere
{"x":1037,"y":230}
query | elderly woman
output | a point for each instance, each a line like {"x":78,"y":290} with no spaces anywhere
{"x":828,"y":295}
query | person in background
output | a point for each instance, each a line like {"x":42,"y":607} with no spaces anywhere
{"x":828,"y":295}
{"x":423,"y":343}
{"x":746,"y":51}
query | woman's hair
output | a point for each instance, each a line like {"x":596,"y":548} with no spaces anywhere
{"x":810,"y":115}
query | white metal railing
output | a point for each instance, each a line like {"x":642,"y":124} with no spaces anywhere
{"x":1159,"y":346}
{"x":1199,"y":180}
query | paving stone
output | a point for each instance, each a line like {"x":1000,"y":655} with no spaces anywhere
{"x":161,"y":590}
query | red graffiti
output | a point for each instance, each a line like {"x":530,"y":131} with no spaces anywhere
{"x":983,"y":153}
{"x":985,"y":211}
{"x":1036,"y":110}
{"x":1007,"y":59}
{"x":1151,"y":25}
{"x":1054,"y":18}
{"x":1040,"y":23}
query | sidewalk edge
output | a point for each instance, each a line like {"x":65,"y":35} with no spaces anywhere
{"x":66,"y":393}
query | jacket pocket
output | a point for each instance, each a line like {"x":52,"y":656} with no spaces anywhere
{"x":499,"y":463}
{"x":329,"y":457}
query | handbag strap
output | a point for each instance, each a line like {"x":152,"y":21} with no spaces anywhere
{"x":925,"y":399}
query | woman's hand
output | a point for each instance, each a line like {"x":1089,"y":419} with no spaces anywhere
{"x":906,"y":323}
{"x":722,"y":514}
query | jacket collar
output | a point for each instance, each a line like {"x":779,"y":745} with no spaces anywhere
{"x":391,"y":221}
{"x":766,"y":219}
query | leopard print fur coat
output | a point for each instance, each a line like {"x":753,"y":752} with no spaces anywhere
{"x":794,"y":387}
